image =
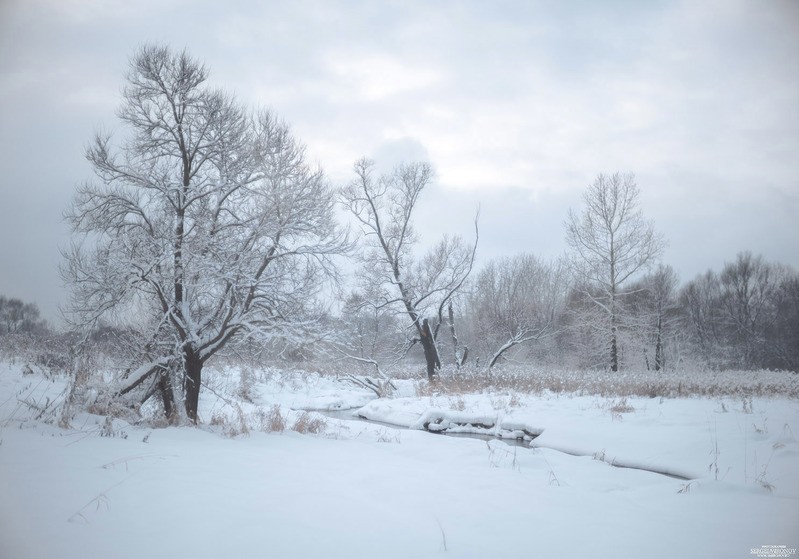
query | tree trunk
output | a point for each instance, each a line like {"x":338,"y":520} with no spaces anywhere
{"x":614,"y":343}
{"x":430,"y":351}
{"x":167,"y":395}
{"x":193,"y":366}
{"x":454,"y":334}
{"x":659,"y":360}
{"x":614,"y":350}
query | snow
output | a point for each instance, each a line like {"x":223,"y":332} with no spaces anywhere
{"x":366,"y":490}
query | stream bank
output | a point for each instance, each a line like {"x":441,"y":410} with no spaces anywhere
{"x":486,"y":428}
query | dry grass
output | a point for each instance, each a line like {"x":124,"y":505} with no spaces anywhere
{"x":272,"y":421}
{"x":621,"y":406}
{"x":231,"y":427}
{"x":308,"y":424}
{"x":457,"y":403}
{"x":532,"y":379}
{"x":649,"y":384}
{"x":246,"y":385}
{"x":523,"y":379}
{"x":389,"y":436}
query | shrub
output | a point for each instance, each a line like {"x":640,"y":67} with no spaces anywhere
{"x":306,"y":423}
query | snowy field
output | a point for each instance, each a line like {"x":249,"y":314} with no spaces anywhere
{"x":716,"y":477}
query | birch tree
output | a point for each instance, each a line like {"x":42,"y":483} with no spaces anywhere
{"x":611,"y":243}
{"x":204,"y":225}
{"x":420,"y":287}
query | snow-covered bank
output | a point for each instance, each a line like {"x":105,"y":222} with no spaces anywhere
{"x":747,"y":441}
{"x":361,"y":490}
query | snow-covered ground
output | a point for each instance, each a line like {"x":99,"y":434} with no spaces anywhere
{"x":109,"y":489}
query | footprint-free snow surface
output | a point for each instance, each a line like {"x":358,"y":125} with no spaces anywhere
{"x":110,"y":489}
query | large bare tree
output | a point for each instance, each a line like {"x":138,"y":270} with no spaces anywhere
{"x":419,"y":287}
{"x":611,"y":243}
{"x":205,"y":225}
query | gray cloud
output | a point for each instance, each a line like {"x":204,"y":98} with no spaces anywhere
{"x":517,"y":104}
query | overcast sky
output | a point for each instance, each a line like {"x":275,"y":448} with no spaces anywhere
{"x":518,"y":106}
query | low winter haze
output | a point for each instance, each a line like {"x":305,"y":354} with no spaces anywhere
{"x":517,"y":105}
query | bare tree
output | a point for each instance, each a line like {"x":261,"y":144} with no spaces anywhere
{"x":370,"y":331}
{"x":611,"y":242}
{"x":420,"y":287}
{"x":367,"y":334}
{"x":745,"y":316}
{"x":17,"y":316}
{"x":205,"y":226}
{"x":460,"y":356}
{"x":783,"y":334}
{"x":653,"y":306}
{"x":516,"y":301}
{"x":581,"y":338}
{"x":749,"y":289}
{"x":699,"y":301}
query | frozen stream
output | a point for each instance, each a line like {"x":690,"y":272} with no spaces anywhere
{"x":348,"y":415}
{"x":522,"y":442}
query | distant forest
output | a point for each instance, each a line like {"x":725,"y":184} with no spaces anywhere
{"x":745,"y":316}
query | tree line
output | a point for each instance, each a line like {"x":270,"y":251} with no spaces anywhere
{"x":206,"y":230}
